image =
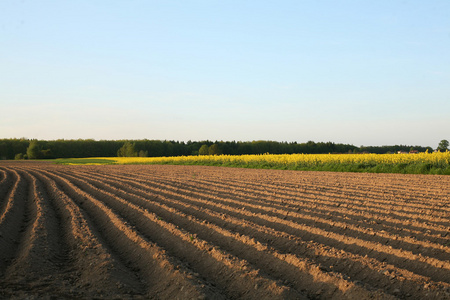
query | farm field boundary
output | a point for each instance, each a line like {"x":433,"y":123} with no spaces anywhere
{"x":422,"y":163}
{"x":196,"y":232}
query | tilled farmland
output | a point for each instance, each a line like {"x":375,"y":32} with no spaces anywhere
{"x":194,"y":232}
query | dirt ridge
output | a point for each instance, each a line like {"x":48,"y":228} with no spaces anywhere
{"x":196,"y":211}
{"x":193,"y":232}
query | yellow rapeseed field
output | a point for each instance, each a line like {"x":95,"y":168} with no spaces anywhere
{"x":337,"y":162}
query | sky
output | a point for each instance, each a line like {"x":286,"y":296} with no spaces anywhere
{"x":355,"y":72}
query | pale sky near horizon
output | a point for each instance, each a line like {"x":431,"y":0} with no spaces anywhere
{"x":356,"y":72}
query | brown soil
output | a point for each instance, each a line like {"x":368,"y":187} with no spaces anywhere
{"x":192,"y":232}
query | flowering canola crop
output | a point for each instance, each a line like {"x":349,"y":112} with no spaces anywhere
{"x":438,"y":162}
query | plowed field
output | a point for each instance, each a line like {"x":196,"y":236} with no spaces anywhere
{"x":193,"y":232}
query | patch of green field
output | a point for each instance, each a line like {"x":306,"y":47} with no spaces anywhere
{"x":86,"y":161}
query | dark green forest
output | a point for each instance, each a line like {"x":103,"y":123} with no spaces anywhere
{"x":42,"y":149}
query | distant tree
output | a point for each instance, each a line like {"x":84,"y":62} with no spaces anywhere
{"x":143,"y":153}
{"x":47,"y":153}
{"x":18,"y":156}
{"x":33,"y":150}
{"x":203,"y":150}
{"x":127,"y":150}
{"x":214,"y":149}
{"x":443,"y":145}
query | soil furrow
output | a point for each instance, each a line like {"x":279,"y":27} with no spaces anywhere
{"x":330,"y":193}
{"x":13,"y":221}
{"x":377,"y":184}
{"x":168,"y":232}
{"x":241,"y":246}
{"x":3,"y":177}
{"x":225,"y":270}
{"x":281,"y":190}
{"x":40,"y":250}
{"x":404,"y":259}
{"x":90,"y":266}
{"x":414,"y":245}
{"x":295,"y":205}
{"x":380,"y":227}
{"x":146,"y":195}
{"x":329,"y":201}
{"x":163,"y":278}
{"x":5,"y":186}
{"x":395,"y":247}
{"x":252,"y":239}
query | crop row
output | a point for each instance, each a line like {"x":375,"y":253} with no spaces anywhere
{"x":168,"y":232}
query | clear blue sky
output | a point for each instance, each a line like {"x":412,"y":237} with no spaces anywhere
{"x":357,"y":72}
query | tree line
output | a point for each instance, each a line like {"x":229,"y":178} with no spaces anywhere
{"x":43,"y":149}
